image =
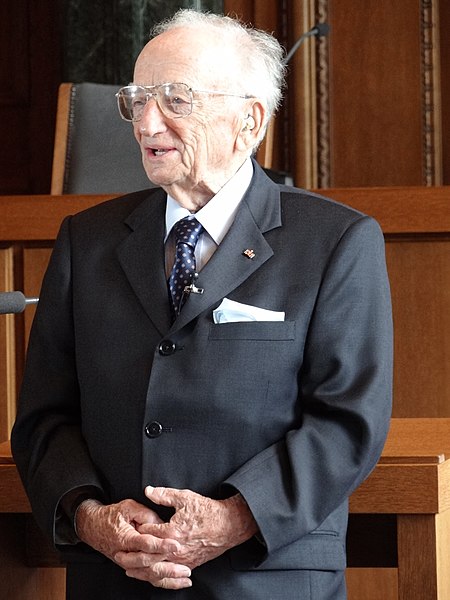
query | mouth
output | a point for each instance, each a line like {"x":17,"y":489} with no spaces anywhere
{"x":159,"y":151}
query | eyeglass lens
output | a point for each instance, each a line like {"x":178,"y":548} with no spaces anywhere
{"x":173,"y":99}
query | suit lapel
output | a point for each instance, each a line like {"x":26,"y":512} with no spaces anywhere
{"x":141,"y":256}
{"x":258,"y":213}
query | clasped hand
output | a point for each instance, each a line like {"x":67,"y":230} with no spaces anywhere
{"x":160,"y":553}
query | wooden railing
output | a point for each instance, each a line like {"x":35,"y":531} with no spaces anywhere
{"x":416,"y":225}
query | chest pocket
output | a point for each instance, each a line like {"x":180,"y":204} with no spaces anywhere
{"x":270,"y":331}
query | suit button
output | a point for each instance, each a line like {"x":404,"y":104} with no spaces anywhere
{"x":153,"y":429}
{"x":167,"y":347}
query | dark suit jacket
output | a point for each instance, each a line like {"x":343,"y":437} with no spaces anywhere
{"x":292,"y":414}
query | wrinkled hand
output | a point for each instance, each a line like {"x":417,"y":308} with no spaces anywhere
{"x":114,"y":530}
{"x":205,"y":528}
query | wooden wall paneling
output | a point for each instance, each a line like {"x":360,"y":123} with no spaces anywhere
{"x":372,"y":584}
{"x":21,"y":269}
{"x":400,"y":210}
{"x":259,"y":13}
{"x":419,"y":270}
{"x":243,"y":9}
{"x":266,"y":17}
{"x":14,"y":94}
{"x":418,"y":586}
{"x":301,"y":98}
{"x":45,"y":72}
{"x":18,"y":580}
{"x":29,"y":76}
{"x":37,"y":218}
{"x":378,"y":119}
{"x":7,"y":350}
{"x":291,"y":141}
{"x":364,"y":106}
{"x":375,"y":93}
{"x":431,"y":92}
{"x":269,"y":16}
{"x":444,"y":45}
{"x":416,"y":224}
{"x":35,"y":261}
{"x":443,"y":562}
{"x":28,"y":226}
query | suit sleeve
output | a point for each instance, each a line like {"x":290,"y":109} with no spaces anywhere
{"x":47,"y":443}
{"x":345,"y":391}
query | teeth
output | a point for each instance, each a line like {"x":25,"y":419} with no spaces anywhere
{"x":159,"y":152}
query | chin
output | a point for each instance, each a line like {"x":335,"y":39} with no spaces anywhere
{"x":165,"y":177}
{"x":158,"y":177}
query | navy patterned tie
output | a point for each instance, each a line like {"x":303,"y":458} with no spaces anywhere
{"x":187,"y":231}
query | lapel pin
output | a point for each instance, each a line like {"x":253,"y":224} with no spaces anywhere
{"x":249,"y":253}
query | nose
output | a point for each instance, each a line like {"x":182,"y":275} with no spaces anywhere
{"x":152,"y":121}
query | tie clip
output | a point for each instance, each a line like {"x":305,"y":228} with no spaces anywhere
{"x":192,"y":288}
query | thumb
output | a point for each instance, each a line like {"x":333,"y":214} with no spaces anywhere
{"x":164,"y":496}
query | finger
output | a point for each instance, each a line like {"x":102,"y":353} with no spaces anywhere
{"x":164,"y":496}
{"x":152,"y":544}
{"x":143,"y":515}
{"x":156,"y":563}
{"x":163,"y":574}
{"x":168,"y":583}
{"x":159,"y":530}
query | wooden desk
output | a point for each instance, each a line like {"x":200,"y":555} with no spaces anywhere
{"x":12,"y":495}
{"x":411,"y":483}
{"x":29,"y":568}
{"x":416,"y":225}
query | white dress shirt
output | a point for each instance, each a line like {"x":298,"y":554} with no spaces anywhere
{"x":216,"y":217}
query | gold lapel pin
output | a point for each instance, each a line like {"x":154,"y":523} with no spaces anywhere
{"x":249,"y":253}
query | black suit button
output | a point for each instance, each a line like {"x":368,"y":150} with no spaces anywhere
{"x":167,"y":347}
{"x":153,"y":429}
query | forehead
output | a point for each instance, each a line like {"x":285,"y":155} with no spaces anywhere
{"x":196,"y":56}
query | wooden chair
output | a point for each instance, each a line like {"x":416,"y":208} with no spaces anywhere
{"x":95,"y":151}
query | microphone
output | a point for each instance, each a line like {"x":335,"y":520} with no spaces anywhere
{"x":14,"y":302}
{"x":319,"y":30}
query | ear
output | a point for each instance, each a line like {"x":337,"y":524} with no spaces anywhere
{"x":252,"y":122}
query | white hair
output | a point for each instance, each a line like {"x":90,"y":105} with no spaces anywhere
{"x":261,"y":54}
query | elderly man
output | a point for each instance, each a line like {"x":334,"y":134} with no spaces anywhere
{"x":209,"y":371}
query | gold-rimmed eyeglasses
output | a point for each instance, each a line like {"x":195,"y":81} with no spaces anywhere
{"x":175,"y":100}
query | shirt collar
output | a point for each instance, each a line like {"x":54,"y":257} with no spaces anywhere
{"x":218,"y":214}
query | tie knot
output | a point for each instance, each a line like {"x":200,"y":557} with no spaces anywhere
{"x":187,"y":231}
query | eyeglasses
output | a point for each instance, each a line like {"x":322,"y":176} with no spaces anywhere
{"x":175,"y":100}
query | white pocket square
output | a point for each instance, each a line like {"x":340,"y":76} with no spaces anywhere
{"x":230,"y":311}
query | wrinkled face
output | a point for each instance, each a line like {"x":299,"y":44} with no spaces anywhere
{"x":196,"y":154}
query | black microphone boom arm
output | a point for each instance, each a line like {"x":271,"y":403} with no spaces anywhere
{"x":318,"y":30}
